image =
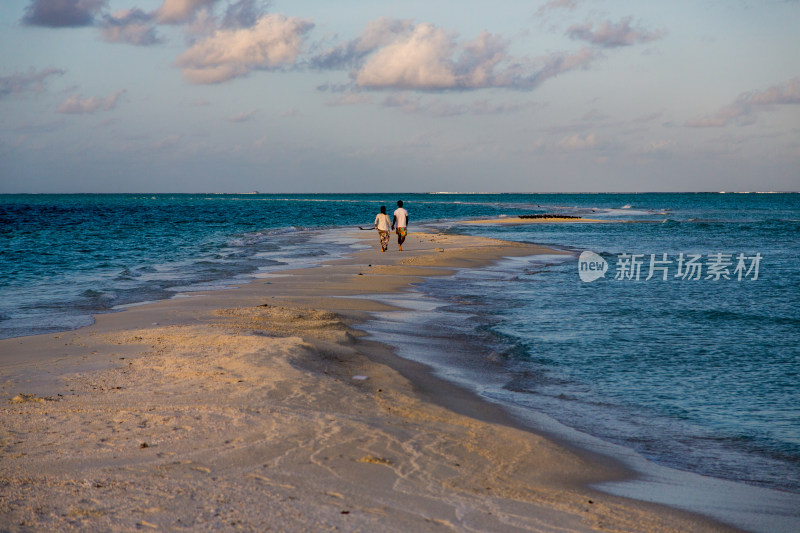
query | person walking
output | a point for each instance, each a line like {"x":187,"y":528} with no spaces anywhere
{"x":400,"y":220}
{"x":383,"y":225}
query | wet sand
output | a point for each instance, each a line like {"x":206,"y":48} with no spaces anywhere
{"x":263,"y":407}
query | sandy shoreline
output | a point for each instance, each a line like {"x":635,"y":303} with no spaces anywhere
{"x":245,"y":409}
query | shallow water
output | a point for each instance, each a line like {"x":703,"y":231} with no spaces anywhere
{"x":65,"y":257}
{"x":697,"y":374}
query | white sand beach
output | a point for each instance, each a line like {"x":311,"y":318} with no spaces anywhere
{"x":263,"y":407}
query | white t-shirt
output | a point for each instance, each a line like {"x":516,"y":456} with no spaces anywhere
{"x":401,"y":217}
{"x":382,"y":222}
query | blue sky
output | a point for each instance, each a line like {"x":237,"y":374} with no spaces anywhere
{"x":310,"y":96}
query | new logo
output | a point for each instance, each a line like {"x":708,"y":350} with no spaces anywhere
{"x":591,"y":266}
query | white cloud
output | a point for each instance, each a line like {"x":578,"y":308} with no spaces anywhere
{"x":744,"y":109}
{"x":417,"y":60}
{"x":785,"y":93}
{"x":612,"y":35}
{"x":179,"y":11}
{"x":78,"y":105}
{"x":274,"y":42}
{"x":401,"y":55}
{"x":377,"y":33}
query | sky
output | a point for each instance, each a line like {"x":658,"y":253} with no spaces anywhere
{"x":410,"y":96}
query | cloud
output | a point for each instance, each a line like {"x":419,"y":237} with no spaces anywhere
{"x":243,"y":14}
{"x":132,"y":26}
{"x":417,"y":60}
{"x":611,"y":35}
{"x":484,"y":107}
{"x":243,"y":117}
{"x":32,"y":81}
{"x":350,"y":98}
{"x":439,"y":108}
{"x":77,"y":105}
{"x":401,"y":55}
{"x":660,"y":147}
{"x":786,"y":93}
{"x":557,"y":63}
{"x":334,"y":87}
{"x":179,"y":11}
{"x":578,"y":142}
{"x":138,"y":27}
{"x":555,"y":5}
{"x":203,"y":21}
{"x":62,"y":13}
{"x":570,"y":144}
{"x":747,"y":105}
{"x":274,"y":42}
{"x":377,"y":33}
{"x":722,"y":117}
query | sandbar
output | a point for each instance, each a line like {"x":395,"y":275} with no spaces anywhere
{"x":264,"y":407}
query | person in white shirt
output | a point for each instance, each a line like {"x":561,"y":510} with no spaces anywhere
{"x":383,"y":225}
{"x":401,"y":221}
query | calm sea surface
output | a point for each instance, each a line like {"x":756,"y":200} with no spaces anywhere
{"x":697,"y":374}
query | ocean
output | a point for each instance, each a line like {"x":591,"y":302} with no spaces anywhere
{"x":95,"y":253}
{"x":684,"y":349}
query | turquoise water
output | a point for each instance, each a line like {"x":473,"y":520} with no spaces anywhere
{"x":700,"y":375}
{"x":65,"y":257}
